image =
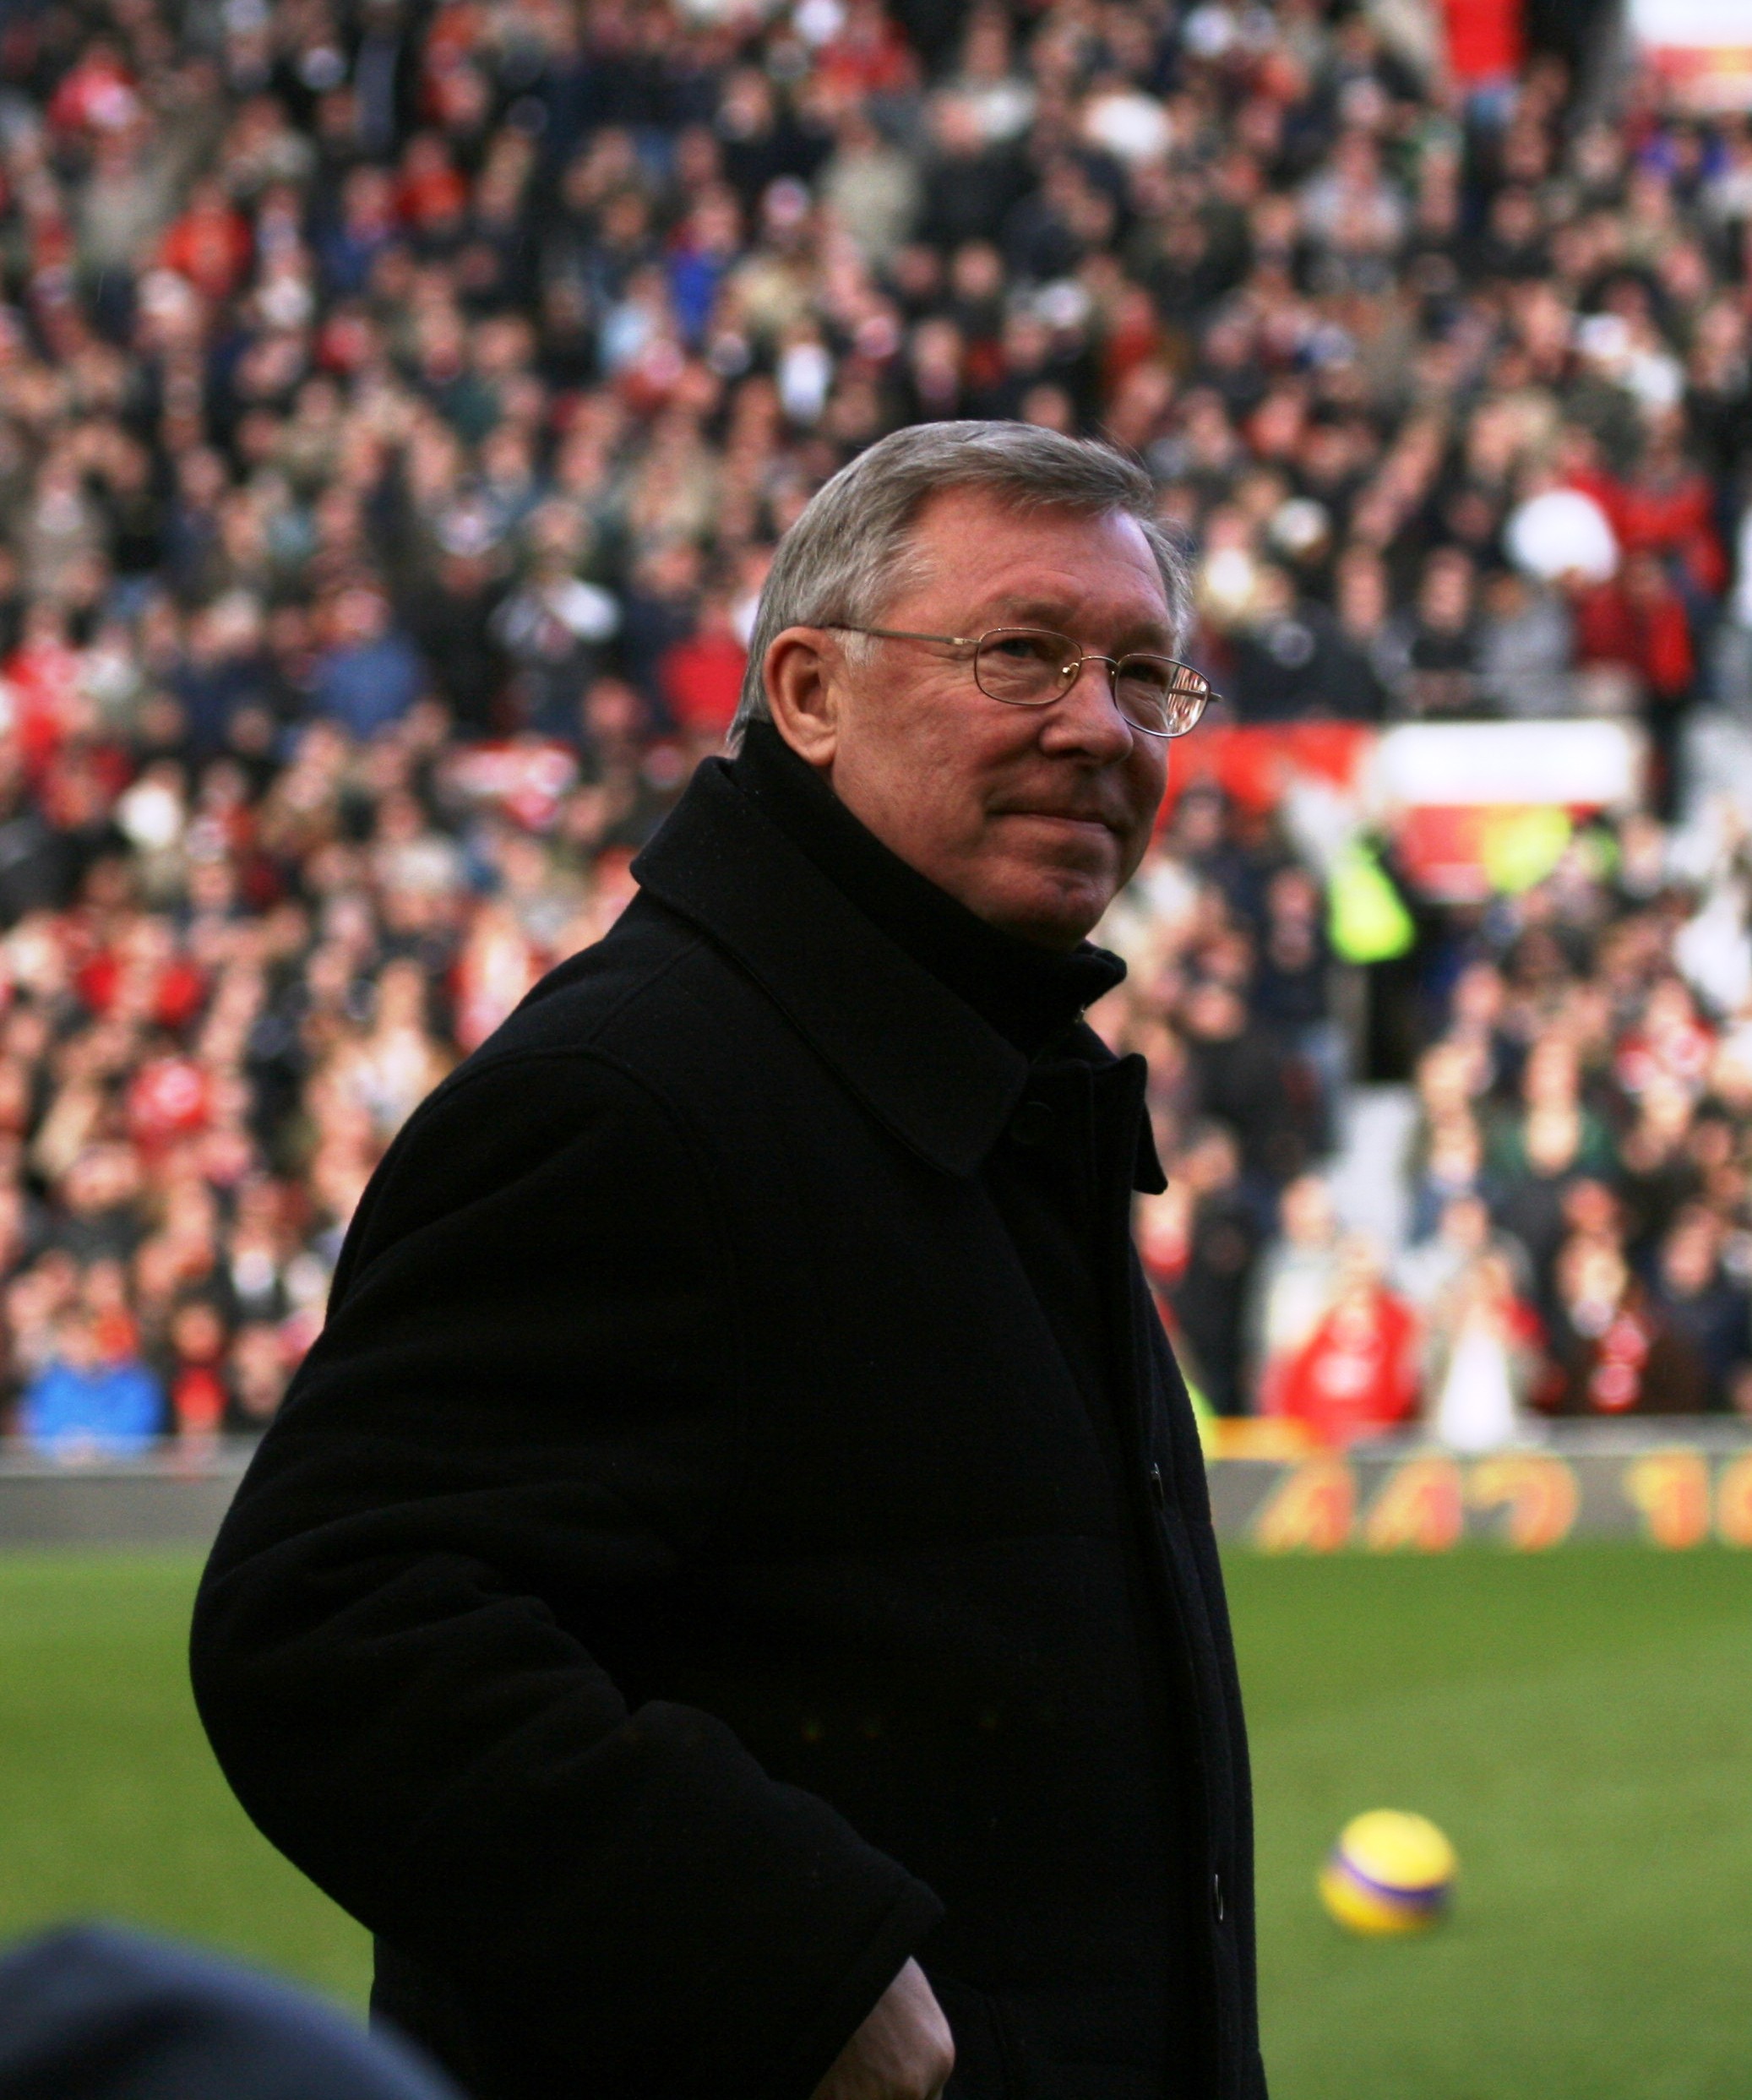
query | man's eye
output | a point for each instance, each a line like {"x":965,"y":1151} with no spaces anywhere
{"x":1150,"y":680}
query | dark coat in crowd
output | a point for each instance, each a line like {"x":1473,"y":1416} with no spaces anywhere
{"x":742,"y":1525}
{"x":1210,"y":1297}
{"x":1643,"y":1363}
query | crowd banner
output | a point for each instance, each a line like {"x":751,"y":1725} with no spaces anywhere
{"x":1674,"y":1486}
{"x":1473,"y":809}
{"x":1580,"y":765}
{"x":1700,"y":50}
{"x":1256,"y":766}
{"x":1479,"y":809}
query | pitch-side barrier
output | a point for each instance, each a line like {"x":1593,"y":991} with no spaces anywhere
{"x":1673,"y":1485}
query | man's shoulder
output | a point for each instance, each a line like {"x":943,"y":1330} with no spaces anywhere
{"x":656,"y":997}
{"x":628,"y":970}
{"x":656,"y":1007}
{"x":597,"y":1067}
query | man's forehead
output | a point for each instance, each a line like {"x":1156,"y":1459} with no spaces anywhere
{"x":1006,"y":556}
{"x":996,"y":516}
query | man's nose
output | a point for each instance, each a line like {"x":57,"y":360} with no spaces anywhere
{"x":1088,"y":717}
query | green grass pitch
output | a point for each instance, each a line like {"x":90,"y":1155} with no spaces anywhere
{"x":1580,"y":1724}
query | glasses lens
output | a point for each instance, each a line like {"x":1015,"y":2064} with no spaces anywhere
{"x":1024,"y":666}
{"x":1159,"y":696}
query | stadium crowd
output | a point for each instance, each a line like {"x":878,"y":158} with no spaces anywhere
{"x":398,"y":405}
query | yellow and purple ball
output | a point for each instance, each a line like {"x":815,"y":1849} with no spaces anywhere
{"x":1388,"y":1873}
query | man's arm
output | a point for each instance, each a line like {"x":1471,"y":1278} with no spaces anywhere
{"x":534,"y":1320}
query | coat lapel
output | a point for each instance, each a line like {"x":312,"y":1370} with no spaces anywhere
{"x":924,"y":1064}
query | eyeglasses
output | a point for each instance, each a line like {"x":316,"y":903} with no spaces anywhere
{"x":1031,"y":666}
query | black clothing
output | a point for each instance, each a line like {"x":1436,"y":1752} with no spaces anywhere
{"x":1242,"y":1081}
{"x":1354,"y":690}
{"x":1713,"y":1324}
{"x":969,"y":195}
{"x":41,"y":867}
{"x":451,"y":623}
{"x":1210,"y":1295}
{"x":1290,"y":993}
{"x":91,"y":2013}
{"x":1291,"y":667}
{"x":1654,"y":1195}
{"x":742,"y":1525}
{"x":1443,"y":680}
{"x":786,"y":147}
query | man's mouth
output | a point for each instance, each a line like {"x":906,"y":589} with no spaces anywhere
{"x":1085,"y":819}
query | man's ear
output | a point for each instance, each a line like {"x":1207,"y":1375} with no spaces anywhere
{"x":805,"y":699}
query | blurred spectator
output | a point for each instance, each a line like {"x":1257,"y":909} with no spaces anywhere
{"x":1436,"y":644}
{"x":370,"y":674}
{"x":1481,"y":1335}
{"x":1199,"y":1244}
{"x":1286,"y":659}
{"x":1291,"y":995}
{"x":1453,"y":1171}
{"x":259,"y":1374}
{"x":85,"y":1404}
{"x":1483,"y":1356}
{"x":1356,"y":1374}
{"x":1538,"y":1155}
{"x":1294,"y":1286}
{"x":196,"y":1340}
{"x":1616,"y":1352}
{"x":1702,"y":1305}
{"x":1637,"y":623}
{"x":1364,"y":605}
{"x":1240,"y":1077}
{"x":1526,"y":645}
{"x":1465,"y":1234}
{"x":701,"y":677}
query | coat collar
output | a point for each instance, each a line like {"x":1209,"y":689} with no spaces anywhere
{"x":919,"y":1059}
{"x":927,"y":1066}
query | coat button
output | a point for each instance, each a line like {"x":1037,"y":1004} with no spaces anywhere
{"x":1031,"y":1124}
{"x":1217,"y":1895}
{"x":1158,"y":1494}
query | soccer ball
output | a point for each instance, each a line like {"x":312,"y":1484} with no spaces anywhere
{"x":1388,"y":1873}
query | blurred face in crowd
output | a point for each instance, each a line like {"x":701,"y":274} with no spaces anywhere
{"x":74,"y":1343}
{"x":1466,"y":1224}
{"x":1687,"y":1256}
{"x":1362,"y":603}
{"x":1033,"y":818}
{"x":1306,"y":1211}
{"x":1592,"y":1278}
{"x":1550,"y":1079}
{"x":1445,"y":600}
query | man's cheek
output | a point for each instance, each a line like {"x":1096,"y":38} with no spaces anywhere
{"x":1135,"y":847}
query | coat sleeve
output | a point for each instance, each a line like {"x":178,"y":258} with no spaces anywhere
{"x":415,"y":1640}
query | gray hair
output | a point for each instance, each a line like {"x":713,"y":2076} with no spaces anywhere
{"x":850,"y":554}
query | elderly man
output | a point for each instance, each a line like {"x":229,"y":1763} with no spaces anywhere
{"x":731,"y":1599}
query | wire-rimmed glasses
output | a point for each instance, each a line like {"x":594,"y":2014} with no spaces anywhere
{"x":1032,"y":666}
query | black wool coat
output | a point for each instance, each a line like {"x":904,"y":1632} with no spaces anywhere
{"x":743,"y":1526}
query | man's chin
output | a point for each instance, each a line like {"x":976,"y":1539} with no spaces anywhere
{"x":1056,"y":911}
